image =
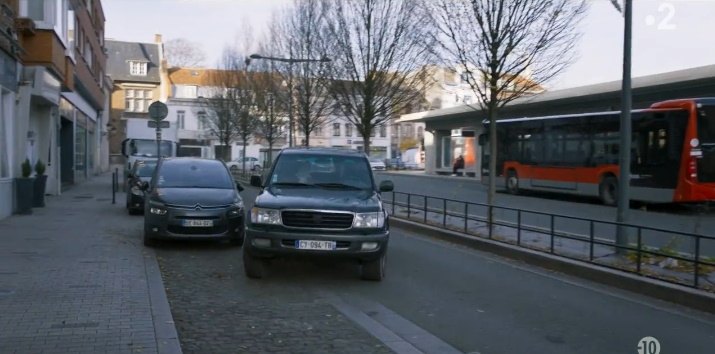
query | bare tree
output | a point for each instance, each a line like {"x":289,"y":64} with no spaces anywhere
{"x":229,"y":115}
{"x":307,"y":38}
{"x":381,"y":46}
{"x":509,"y":48}
{"x":181,"y":52}
{"x":270,"y":106}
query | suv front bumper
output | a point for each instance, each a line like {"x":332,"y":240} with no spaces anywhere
{"x":347,"y":245}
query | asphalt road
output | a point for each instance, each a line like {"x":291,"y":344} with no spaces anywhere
{"x":474,"y":302}
{"x":667,"y":217}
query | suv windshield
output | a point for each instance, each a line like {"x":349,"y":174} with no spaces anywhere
{"x":145,"y":168}
{"x":147,"y":148}
{"x":194,"y":174}
{"x":320,"y":170}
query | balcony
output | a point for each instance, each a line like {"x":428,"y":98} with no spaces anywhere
{"x":42,"y":47}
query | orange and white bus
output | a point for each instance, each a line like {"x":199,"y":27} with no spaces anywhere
{"x":672,"y":155}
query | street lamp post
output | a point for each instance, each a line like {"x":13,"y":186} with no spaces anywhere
{"x":624,"y":179}
{"x":290,"y":62}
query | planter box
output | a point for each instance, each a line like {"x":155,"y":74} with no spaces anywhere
{"x":38,"y":196}
{"x":24,"y":190}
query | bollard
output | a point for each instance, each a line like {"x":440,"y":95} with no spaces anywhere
{"x":114,"y":187}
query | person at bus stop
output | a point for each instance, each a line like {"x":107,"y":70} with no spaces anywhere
{"x":458,"y":165}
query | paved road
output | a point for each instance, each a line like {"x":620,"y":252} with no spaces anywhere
{"x":463,"y":189}
{"x":434,"y":294}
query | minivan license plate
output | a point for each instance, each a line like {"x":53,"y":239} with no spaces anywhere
{"x":198,"y":223}
{"x":315,"y":245}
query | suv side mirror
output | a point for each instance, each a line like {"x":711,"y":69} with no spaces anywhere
{"x":386,"y":186}
{"x":239,"y":186}
{"x":256,"y":181}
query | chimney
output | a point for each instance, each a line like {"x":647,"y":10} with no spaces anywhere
{"x":157,"y":38}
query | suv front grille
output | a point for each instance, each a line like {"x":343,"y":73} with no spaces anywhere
{"x":317,"y":219}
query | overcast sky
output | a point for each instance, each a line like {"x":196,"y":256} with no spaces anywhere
{"x":667,"y":34}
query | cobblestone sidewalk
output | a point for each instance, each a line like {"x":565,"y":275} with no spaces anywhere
{"x":75,"y":278}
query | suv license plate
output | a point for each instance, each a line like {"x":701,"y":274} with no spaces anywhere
{"x":315,"y":245}
{"x":198,"y":223}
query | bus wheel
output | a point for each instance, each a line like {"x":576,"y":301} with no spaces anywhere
{"x":608,"y":190}
{"x":512,"y":182}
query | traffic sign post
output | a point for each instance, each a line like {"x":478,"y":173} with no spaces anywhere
{"x":158,"y":111}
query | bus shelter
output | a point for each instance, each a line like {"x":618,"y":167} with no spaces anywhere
{"x":453,"y":131}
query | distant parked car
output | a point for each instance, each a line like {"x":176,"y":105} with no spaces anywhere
{"x":252,"y":164}
{"x":140,"y":172}
{"x":377,"y":164}
{"x":395,"y":164}
{"x":193,"y":198}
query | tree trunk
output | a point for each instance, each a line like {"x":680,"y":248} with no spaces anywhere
{"x":270,"y":154}
{"x":307,"y":139}
{"x":366,"y":143}
{"x":492,"y":159}
{"x":245,"y":144}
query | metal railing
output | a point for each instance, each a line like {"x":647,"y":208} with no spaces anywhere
{"x":510,"y":225}
{"x":244,"y":176}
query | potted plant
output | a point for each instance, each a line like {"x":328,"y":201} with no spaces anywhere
{"x":24,"y":188}
{"x":38,"y":199}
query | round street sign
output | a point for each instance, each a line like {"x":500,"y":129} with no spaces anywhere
{"x":158,"y":111}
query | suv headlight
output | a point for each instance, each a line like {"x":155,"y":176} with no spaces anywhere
{"x":374,"y":220}
{"x":265,"y":216}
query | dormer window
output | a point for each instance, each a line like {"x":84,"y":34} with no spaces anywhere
{"x":137,"y":68}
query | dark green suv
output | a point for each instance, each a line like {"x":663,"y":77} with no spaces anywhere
{"x":318,"y":202}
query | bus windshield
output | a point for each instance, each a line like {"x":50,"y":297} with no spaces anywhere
{"x":706,"y":125}
{"x":147,"y":148}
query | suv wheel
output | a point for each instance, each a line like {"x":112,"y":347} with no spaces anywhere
{"x":375,"y":269}
{"x":254,"y":267}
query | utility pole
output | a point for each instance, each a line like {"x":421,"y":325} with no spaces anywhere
{"x":624,"y":179}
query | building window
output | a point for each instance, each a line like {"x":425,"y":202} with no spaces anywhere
{"x":318,"y":130}
{"x":180,"y":116}
{"x":407,"y":131}
{"x":186,"y":91}
{"x":348,"y":130}
{"x":420,"y":133}
{"x":202,"y":120}
{"x":137,"y":100}
{"x":336,"y":129}
{"x":467,"y":99}
{"x":4,"y":138}
{"x":383,"y":131}
{"x":465,"y":77}
{"x":88,"y":56}
{"x":137,"y":68}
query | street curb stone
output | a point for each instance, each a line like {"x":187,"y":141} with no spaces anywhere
{"x":167,"y":339}
{"x":674,"y":293}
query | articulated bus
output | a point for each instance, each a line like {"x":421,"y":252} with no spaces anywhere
{"x":672,"y":155}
